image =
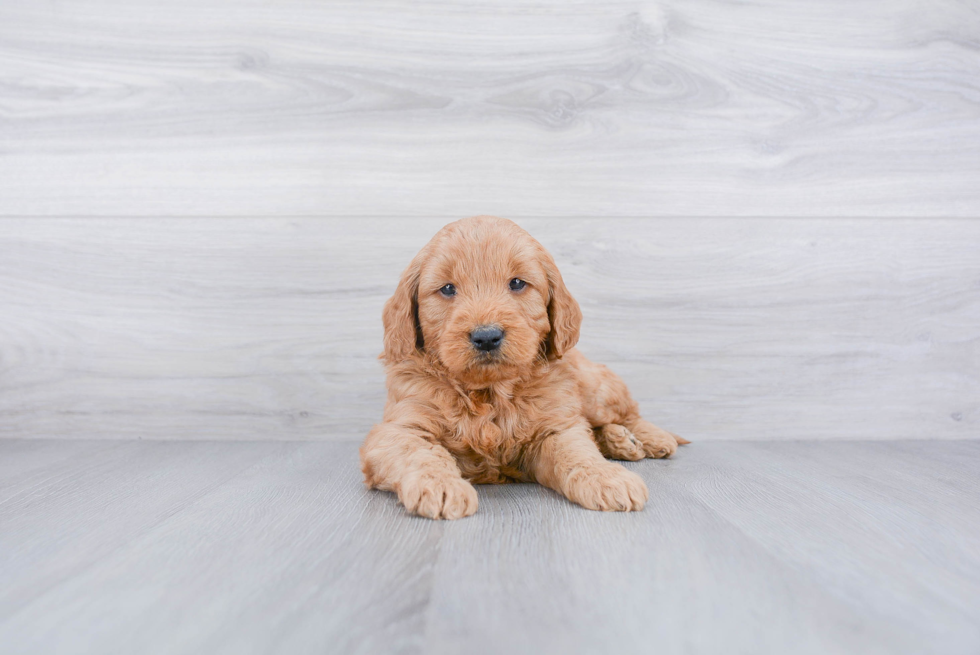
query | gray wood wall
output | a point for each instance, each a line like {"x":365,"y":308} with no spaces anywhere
{"x":767,"y":210}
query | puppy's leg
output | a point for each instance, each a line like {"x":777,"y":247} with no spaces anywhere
{"x":657,"y":442}
{"x":423,"y":474}
{"x":608,"y":405}
{"x":616,"y":442}
{"x":569,"y":462}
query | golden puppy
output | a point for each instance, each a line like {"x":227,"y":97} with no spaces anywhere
{"x":485,"y":386}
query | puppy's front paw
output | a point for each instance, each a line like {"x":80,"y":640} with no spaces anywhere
{"x":616,"y":442}
{"x":657,"y":442}
{"x":441,"y":496}
{"x":610,"y":488}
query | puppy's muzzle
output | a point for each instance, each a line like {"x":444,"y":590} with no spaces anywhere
{"x":487,"y":338}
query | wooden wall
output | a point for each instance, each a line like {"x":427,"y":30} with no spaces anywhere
{"x":767,"y":210}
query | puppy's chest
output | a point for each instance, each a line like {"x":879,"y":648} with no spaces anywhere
{"x":487,"y":438}
{"x":497,"y":422}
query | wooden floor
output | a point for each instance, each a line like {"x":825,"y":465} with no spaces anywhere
{"x":235,"y":547}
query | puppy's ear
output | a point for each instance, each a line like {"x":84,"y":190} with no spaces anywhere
{"x":403,"y":334}
{"x":563,"y":313}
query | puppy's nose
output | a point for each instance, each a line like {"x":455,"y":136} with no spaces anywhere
{"x":487,"y":337}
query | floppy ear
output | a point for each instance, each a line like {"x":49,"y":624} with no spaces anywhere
{"x":563,"y":314}
{"x":403,"y":334}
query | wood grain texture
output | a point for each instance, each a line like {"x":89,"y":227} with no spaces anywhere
{"x":754,"y":547}
{"x":129,"y":488}
{"x":545,"y":108}
{"x":270,"y":328}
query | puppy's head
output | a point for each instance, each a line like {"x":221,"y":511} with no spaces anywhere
{"x":483,"y":298}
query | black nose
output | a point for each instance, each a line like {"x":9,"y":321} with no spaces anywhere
{"x":487,"y":337}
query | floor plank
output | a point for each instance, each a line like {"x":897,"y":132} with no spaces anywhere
{"x":755,"y":547}
{"x":27,"y":463}
{"x":68,"y":514}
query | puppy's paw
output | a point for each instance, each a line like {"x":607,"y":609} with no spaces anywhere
{"x":441,"y":496}
{"x":616,"y":442}
{"x":610,"y":488}
{"x":657,"y":443}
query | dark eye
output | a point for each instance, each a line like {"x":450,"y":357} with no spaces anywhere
{"x":517,"y":284}
{"x":448,"y":290}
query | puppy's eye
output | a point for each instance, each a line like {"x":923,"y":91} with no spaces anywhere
{"x":448,"y":291}
{"x":517,"y":284}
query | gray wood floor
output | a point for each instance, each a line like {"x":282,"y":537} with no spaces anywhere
{"x":257,"y":547}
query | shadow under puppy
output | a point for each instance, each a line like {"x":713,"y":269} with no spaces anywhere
{"x":485,"y":385}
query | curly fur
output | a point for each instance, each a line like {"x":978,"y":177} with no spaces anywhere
{"x":537,"y":410}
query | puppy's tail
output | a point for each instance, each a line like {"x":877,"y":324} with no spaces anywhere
{"x":680,"y":440}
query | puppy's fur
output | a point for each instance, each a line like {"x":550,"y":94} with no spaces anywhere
{"x":534,"y":410}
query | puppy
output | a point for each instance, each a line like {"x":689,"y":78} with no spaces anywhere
{"x":485,"y":385}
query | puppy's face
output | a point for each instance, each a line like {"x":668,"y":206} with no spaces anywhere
{"x":485,"y":299}
{"x":483,"y":302}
